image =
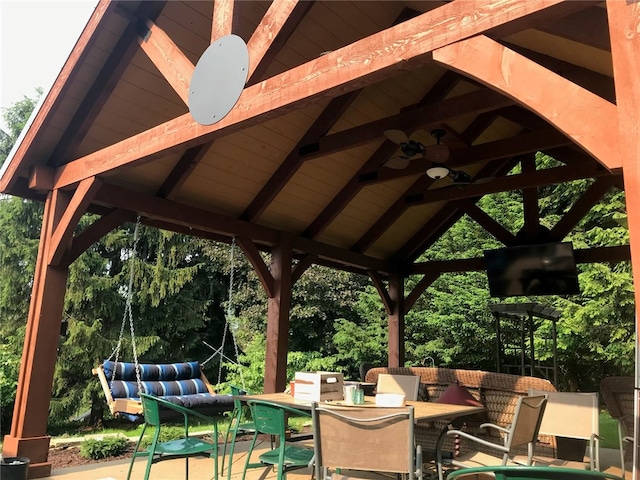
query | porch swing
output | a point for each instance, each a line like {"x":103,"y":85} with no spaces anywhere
{"x":183,"y":384}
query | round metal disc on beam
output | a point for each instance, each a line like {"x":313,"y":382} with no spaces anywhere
{"x":218,"y":79}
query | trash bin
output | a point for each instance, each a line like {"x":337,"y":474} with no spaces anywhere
{"x":14,"y":468}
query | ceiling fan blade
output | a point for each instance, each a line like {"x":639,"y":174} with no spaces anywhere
{"x":397,"y":163}
{"x":396,"y":136}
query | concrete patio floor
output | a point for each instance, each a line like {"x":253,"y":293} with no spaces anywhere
{"x":202,"y":468}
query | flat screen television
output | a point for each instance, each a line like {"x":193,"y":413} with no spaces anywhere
{"x":544,"y":269}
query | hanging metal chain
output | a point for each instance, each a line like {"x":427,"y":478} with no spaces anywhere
{"x":128,"y":314}
{"x":229,"y":309}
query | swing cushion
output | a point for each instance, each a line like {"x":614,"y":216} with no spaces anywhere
{"x":179,"y":383}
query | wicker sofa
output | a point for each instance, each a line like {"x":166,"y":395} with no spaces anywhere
{"x":498,"y":392}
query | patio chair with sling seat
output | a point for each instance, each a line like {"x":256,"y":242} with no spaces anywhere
{"x":365,"y":439}
{"x":522,"y":431}
{"x":271,"y":419}
{"x":186,"y":447}
{"x":570,"y":415}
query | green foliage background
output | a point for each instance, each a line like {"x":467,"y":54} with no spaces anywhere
{"x":185,"y":289}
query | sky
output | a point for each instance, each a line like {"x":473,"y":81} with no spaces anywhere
{"x":36,"y":37}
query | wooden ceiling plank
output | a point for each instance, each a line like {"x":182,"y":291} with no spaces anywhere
{"x":182,"y":170}
{"x":61,"y":238}
{"x":329,"y":116}
{"x":478,"y":215}
{"x":581,"y":207}
{"x":172,"y":63}
{"x":222,"y":19}
{"x":356,"y":65}
{"x":261,"y":269}
{"x":275,"y":28}
{"x":588,"y":26}
{"x":540,"y":90}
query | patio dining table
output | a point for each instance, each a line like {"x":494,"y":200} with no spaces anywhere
{"x":428,"y":411}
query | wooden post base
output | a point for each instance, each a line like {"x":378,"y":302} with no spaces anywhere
{"x":36,"y":449}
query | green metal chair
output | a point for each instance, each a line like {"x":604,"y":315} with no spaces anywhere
{"x":186,"y":447}
{"x":235,"y":427}
{"x":531,"y":473}
{"x":271,"y":419}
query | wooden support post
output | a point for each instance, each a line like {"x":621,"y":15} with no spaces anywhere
{"x":28,"y":437}
{"x":275,"y":374}
{"x":624,"y":28}
{"x":396,"y":321}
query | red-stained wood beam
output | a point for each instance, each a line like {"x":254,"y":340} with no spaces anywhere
{"x":98,"y":229}
{"x":172,"y":63}
{"x":362,"y":63}
{"x":303,"y":264}
{"x":396,"y":352}
{"x":581,"y":207}
{"x":61,"y":239}
{"x":549,"y":176}
{"x":279,"y":304}
{"x":488,"y":223}
{"x":321,"y":125}
{"x":540,"y":90}
{"x":497,"y":150}
{"x":105,"y":82}
{"x":222,"y":19}
{"x":531,"y":213}
{"x":261,"y":269}
{"x":424,"y":283}
{"x":273,"y":31}
{"x":382,"y":291}
{"x":426,"y":116}
{"x":624,"y":25}
{"x":206,"y":221}
{"x":181,"y":171}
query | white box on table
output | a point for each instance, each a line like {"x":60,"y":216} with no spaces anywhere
{"x":318,"y":386}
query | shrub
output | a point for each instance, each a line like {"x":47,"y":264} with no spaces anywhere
{"x":166,"y":434}
{"x":107,"y":447}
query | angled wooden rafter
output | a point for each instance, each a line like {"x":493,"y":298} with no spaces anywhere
{"x":261,"y":269}
{"x":62,"y":236}
{"x":382,"y":291}
{"x":499,"y":232}
{"x":540,"y":90}
{"x":222,"y":19}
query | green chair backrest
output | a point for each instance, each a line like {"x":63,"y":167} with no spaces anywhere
{"x":151,"y":410}
{"x":531,"y":473}
{"x":269,"y":419}
{"x":236,"y":391}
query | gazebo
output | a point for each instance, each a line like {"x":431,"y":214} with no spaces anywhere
{"x":347,"y":134}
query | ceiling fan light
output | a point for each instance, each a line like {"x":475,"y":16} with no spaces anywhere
{"x":437,"y":172}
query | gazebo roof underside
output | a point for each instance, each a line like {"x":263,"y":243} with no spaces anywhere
{"x":303,"y":152}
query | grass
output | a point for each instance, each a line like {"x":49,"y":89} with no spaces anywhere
{"x":608,"y":429}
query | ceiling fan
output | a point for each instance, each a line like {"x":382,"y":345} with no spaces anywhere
{"x":437,"y":154}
